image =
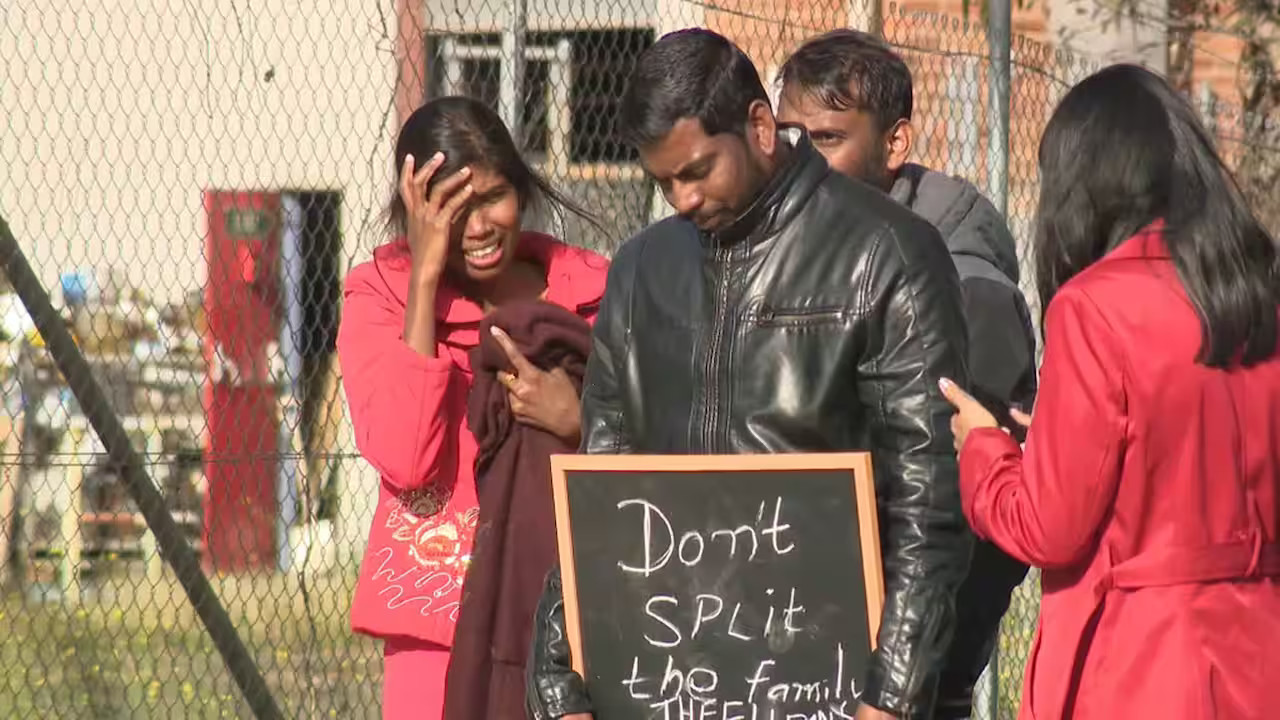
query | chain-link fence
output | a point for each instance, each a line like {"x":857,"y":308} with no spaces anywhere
{"x":191,"y":181}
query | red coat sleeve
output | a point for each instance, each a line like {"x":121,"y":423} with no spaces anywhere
{"x":398,"y":399}
{"x":1045,"y":508}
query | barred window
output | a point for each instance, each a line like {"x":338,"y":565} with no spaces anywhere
{"x":599,"y":65}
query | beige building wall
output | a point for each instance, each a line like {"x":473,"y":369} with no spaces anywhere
{"x":118,"y":115}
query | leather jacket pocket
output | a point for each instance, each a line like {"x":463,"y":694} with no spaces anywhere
{"x":764,"y":315}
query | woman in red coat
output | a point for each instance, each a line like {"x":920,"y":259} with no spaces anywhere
{"x":1149,"y":489}
{"x":411,"y":316}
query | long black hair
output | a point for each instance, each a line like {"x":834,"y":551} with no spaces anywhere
{"x":470,"y":133}
{"x":1124,"y":149}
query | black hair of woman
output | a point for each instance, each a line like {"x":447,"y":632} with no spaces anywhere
{"x":468,"y":133}
{"x":1124,"y":149}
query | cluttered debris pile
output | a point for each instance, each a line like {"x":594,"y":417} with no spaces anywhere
{"x":72,"y":509}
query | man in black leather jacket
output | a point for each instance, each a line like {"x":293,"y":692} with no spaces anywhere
{"x":854,"y":96}
{"x":785,"y":308}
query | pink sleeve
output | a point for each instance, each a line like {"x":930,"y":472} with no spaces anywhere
{"x":1045,"y":507}
{"x":398,"y":399}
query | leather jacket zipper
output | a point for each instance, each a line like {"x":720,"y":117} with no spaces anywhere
{"x":711,"y":384}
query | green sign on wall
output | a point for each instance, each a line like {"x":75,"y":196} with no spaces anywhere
{"x":247,"y":221}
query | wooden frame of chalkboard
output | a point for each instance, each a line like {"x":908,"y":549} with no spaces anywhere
{"x":617,"y":468}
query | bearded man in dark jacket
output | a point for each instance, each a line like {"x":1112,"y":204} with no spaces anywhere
{"x":854,"y":96}
{"x":784,"y":308}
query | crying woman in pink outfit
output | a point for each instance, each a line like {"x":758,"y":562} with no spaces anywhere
{"x":411,"y":316}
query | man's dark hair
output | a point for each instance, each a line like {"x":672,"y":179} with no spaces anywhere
{"x":851,"y":70}
{"x":692,"y":73}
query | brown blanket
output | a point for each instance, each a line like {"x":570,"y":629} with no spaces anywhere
{"x":515,"y":540}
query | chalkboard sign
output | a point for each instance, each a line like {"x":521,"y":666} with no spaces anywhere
{"x":746,"y":586}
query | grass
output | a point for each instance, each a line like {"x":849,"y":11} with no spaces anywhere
{"x":135,"y":649}
{"x":138,"y":650}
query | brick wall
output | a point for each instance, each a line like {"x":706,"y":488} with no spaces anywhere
{"x":947,"y":57}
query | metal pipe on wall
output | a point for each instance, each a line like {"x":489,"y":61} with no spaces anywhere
{"x":293,"y":456}
{"x":511,"y":88}
{"x":867,"y":16}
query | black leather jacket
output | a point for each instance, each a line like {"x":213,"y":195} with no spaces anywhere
{"x":1002,"y":372}
{"x":820,"y":321}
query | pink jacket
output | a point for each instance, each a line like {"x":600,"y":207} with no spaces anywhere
{"x":409,"y":415}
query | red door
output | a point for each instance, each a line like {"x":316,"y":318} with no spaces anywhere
{"x":242,"y":250}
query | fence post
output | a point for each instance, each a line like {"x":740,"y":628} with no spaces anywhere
{"x":173,"y":544}
{"x":999,"y":86}
{"x":999,"y":80}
